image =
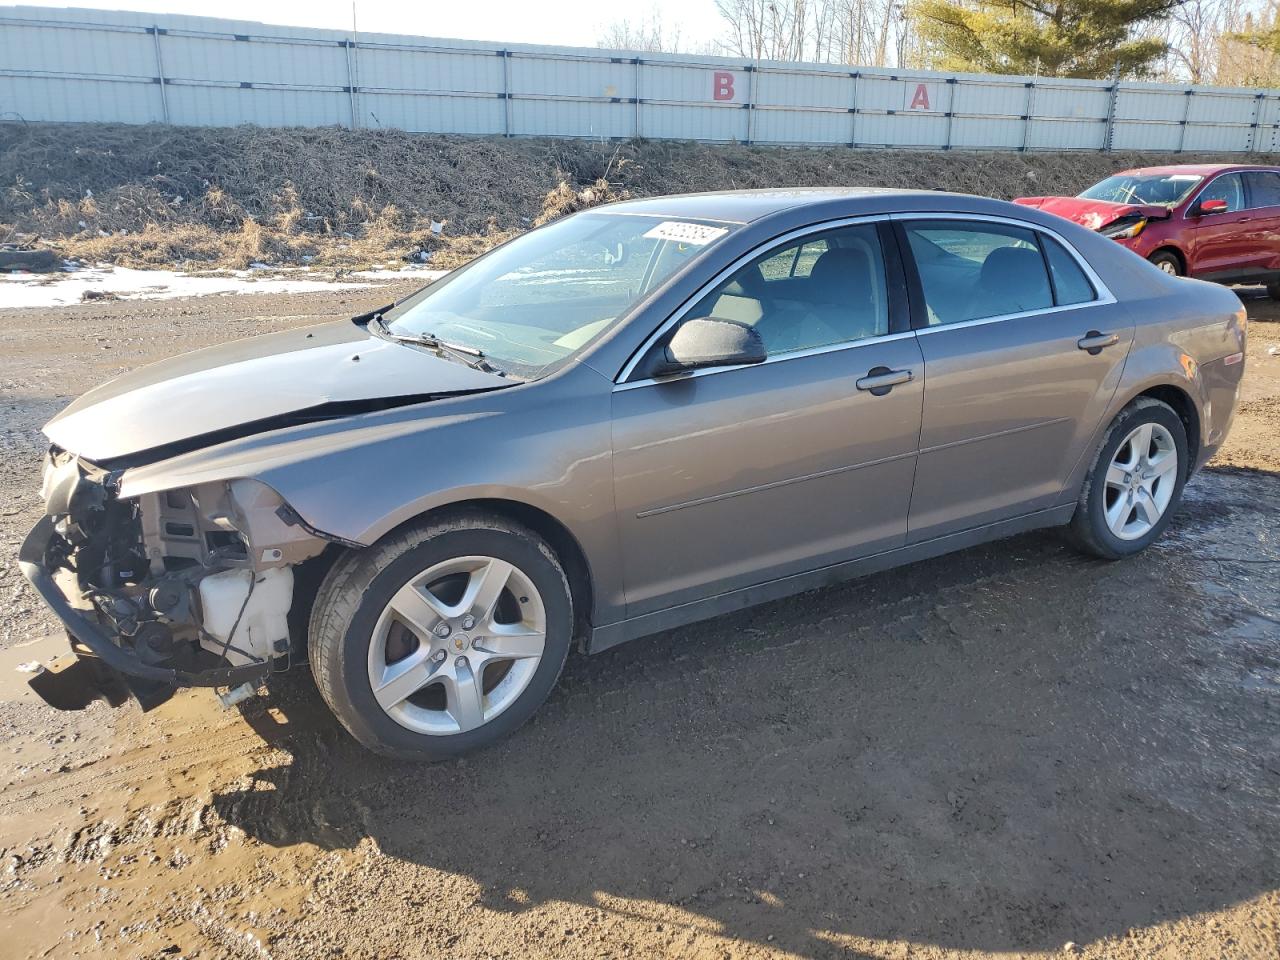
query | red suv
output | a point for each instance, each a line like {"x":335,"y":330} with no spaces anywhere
{"x":1213,"y":221}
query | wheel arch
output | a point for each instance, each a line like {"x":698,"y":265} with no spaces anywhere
{"x":559,"y":537}
{"x":1185,"y":407}
{"x":1172,"y":249}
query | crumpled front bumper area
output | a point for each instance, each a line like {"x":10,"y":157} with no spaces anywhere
{"x":103,"y":669}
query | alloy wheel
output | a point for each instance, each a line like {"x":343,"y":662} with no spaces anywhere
{"x":1168,"y":266}
{"x":457,"y":645}
{"x":1140,"y":481}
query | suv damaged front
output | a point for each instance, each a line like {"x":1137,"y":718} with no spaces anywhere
{"x":185,"y":587}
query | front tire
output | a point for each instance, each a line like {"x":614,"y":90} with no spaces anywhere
{"x":1167,"y":262}
{"x":1135,"y":483}
{"x":443,"y":638}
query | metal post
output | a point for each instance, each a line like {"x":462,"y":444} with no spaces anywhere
{"x":1027,"y":110}
{"x":164,"y":94}
{"x":1111,"y":112}
{"x":952,"y":83}
{"x":639,"y":72}
{"x":1255,"y":136}
{"x":351,"y":84}
{"x":506,"y":92}
{"x":751,"y":101}
{"x":853,"y":112}
{"x":1186,"y":116}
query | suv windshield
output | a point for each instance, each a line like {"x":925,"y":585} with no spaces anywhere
{"x":1164,"y":189}
{"x":545,"y":295}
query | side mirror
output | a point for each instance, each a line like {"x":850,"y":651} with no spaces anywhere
{"x":708,"y":342}
{"x":1211,"y":206}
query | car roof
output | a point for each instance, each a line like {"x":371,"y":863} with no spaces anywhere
{"x":745,"y":206}
{"x":1199,"y":169}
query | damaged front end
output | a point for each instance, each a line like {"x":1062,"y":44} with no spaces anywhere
{"x":186,"y":587}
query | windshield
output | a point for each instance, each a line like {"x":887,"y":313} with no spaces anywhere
{"x":1164,"y":189}
{"x":540,"y":298}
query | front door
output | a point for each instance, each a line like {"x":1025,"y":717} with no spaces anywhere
{"x":1224,"y":244}
{"x":1023,"y":351}
{"x":736,"y":476}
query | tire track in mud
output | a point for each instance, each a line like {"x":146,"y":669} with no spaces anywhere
{"x":596,"y":692}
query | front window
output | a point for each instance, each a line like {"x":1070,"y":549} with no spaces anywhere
{"x":1160,"y":189}
{"x":825,"y":290}
{"x":1229,"y":188}
{"x":544,"y":296}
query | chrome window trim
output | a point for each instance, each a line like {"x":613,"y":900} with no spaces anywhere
{"x":980,"y":321}
{"x":1210,"y":181}
{"x":779,"y":358}
{"x":621,"y":381}
{"x":1103,"y":294}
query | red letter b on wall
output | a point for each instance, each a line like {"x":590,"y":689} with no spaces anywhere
{"x":722,"y":86}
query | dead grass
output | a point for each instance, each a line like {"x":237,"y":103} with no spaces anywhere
{"x":154,"y":195}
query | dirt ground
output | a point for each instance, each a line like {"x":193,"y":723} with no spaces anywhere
{"x":1012,"y":751}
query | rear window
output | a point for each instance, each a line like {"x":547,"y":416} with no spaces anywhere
{"x":1264,"y":188}
{"x":971,"y":271}
{"x":1069,"y":282}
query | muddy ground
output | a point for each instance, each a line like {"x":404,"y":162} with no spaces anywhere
{"x":1013,"y":751}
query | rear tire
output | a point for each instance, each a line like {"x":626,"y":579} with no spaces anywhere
{"x":442,"y":638}
{"x":1167,"y":261}
{"x":1135,"y":483}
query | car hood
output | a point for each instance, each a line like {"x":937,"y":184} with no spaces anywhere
{"x":253,"y":386}
{"x":1094,"y":214}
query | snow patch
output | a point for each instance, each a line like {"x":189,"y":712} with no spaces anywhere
{"x":19,"y":289}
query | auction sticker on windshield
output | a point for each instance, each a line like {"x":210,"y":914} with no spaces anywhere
{"x":697,"y":234}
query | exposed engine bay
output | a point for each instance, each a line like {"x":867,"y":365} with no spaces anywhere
{"x":191,"y":586}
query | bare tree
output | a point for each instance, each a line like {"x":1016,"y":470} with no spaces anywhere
{"x":1205,"y":45}
{"x":1240,"y":62}
{"x":650,"y":34}
{"x":867,"y":32}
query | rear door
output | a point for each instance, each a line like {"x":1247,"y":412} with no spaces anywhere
{"x":1023,"y":349}
{"x":730,"y":477}
{"x":1262,"y":188}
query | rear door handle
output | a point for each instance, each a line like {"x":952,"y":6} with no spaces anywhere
{"x":1095,"y":342}
{"x":880,"y":380}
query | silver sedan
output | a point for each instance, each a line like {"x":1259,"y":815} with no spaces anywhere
{"x":630,"y":419}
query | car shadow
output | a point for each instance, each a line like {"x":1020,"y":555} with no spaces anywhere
{"x":1004,"y":749}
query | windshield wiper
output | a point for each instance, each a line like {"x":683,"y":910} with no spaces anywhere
{"x":473,"y":358}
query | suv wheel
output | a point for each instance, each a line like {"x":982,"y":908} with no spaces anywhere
{"x":443,"y":638}
{"x":1135,"y":483}
{"x":1168,"y":262}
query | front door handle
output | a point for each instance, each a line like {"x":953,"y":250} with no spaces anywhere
{"x":880,"y":380}
{"x":1096,"y":342}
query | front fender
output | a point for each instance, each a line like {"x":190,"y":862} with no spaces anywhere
{"x":546,"y":445}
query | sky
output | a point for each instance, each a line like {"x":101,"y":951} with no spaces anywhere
{"x":562,"y":22}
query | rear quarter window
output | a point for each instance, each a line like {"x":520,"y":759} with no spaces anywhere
{"x":1070,"y":285}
